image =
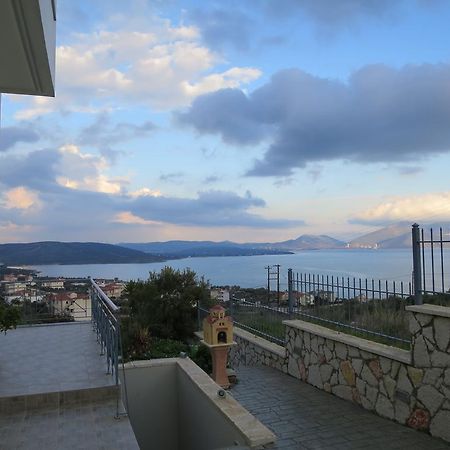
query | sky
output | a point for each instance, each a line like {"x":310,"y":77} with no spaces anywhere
{"x":247,"y":121}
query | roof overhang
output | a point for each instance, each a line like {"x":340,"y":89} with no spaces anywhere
{"x":27,"y":47}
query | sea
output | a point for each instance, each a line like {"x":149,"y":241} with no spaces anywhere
{"x":250,"y":271}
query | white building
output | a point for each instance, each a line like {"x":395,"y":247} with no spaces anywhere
{"x":53,"y":284}
{"x":221,"y":295}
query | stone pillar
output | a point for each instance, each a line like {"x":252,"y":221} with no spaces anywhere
{"x":430,"y":348}
{"x":219,"y":364}
{"x":219,"y":355}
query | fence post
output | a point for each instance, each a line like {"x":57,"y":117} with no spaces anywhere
{"x":290,"y":296}
{"x":199,"y":328}
{"x":417,"y":266}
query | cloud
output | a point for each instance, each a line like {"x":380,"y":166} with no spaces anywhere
{"x":210,"y":208}
{"x":211,"y":179}
{"x":221,"y":26}
{"x":171,"y":177}
{"x":128,"y":218}
{"x":65,"y":193}
{"x":20,"y":198}
{"x":243,"y":24}
{"x":410,"y":170}
{"x":330,"y":13}
{"x":103,"y":133}
{"x":10,"y":136}
{"x":417,"y":208}
{"x":161,"y":68}
{"x":381,"y":114}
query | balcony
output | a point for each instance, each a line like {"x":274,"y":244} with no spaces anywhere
{"x":60,"y":388}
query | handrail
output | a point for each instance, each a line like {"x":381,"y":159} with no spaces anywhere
{"x":106,"y":323}
{"x":111,"y":305}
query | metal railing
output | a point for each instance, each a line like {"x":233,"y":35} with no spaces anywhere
{"x":374,"y":309}
{"x":430,"y":249}
{"x":106,"y":323}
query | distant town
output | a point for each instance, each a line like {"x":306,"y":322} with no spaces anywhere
{"x":47,"y":299}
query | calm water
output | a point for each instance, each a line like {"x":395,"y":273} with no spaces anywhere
{"x":248,"y":271}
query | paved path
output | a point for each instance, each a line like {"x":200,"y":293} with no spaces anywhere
{"x":304,"y":417}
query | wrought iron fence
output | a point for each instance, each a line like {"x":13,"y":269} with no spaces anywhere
{"x":430,"y":267}
{"x":374,"y":309}
{"x":106,"y":323}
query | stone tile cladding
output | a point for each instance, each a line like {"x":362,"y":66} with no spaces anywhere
{"x":412,"y":388}
{"x":252,"y":351}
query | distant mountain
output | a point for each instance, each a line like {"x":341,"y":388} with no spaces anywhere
{"x":185,"y":249}
{"x":311,"y":242}
{"x":182,"y":249}
{"x":397,"y":236}
{"x":37,"y":253}
{"x":392,"y":236}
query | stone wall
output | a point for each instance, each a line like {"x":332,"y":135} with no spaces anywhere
{"x":410,"y":387}
{"x":252,"y":350}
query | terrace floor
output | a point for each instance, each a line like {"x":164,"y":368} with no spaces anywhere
{"x":304,"y":417}
{"x":55,"y":392}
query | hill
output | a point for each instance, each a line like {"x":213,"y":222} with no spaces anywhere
{"x":182,"y":249}
{"x":311,"y":242}
{"x":37,"y":253}
{"x":397,"y":236}
{"x":393,"y":236}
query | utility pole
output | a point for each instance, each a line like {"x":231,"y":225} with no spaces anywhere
{"x":268,"y":283}
{"x":278,"y":283}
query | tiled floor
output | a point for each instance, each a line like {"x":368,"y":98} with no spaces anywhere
{"x":55,"y":392}
{"x":304,"y":417}
{"x":82,"y":426}
{"x":51,"y":358}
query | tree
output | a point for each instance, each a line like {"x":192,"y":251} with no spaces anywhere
{"x":9,"y":316}
{"x":165,"y":304}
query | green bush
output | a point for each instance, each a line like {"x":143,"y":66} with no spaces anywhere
{"x":9,"y":316}
{"x":201,"y":355}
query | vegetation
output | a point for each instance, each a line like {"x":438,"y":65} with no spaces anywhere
{"x":9,"y":316}
{"x":386,"y":317}
{"x":71,"y":253}
{"x":160,"y":314}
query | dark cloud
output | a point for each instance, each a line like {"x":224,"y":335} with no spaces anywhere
{"x":171,"y":177}
{"x":222,"y":26}
{"x":35,"y":170}
{"x":9,"y":136}
{"x":103,"y":133}
{"x":330,"y":12}
{"x":211,"y":179}
{"x":210,"y":208}
{"x":62,"y":210}
{"x":228,"y":112}
{"x":410,"y":170}
{"x":380,"y":115}
{"x":242,"y":24}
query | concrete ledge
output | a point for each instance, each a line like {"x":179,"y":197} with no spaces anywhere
{"x":403,"y":356}
{"x":432,"y":310}
{"x":254,"y":431}
{"x":261,"y":342}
